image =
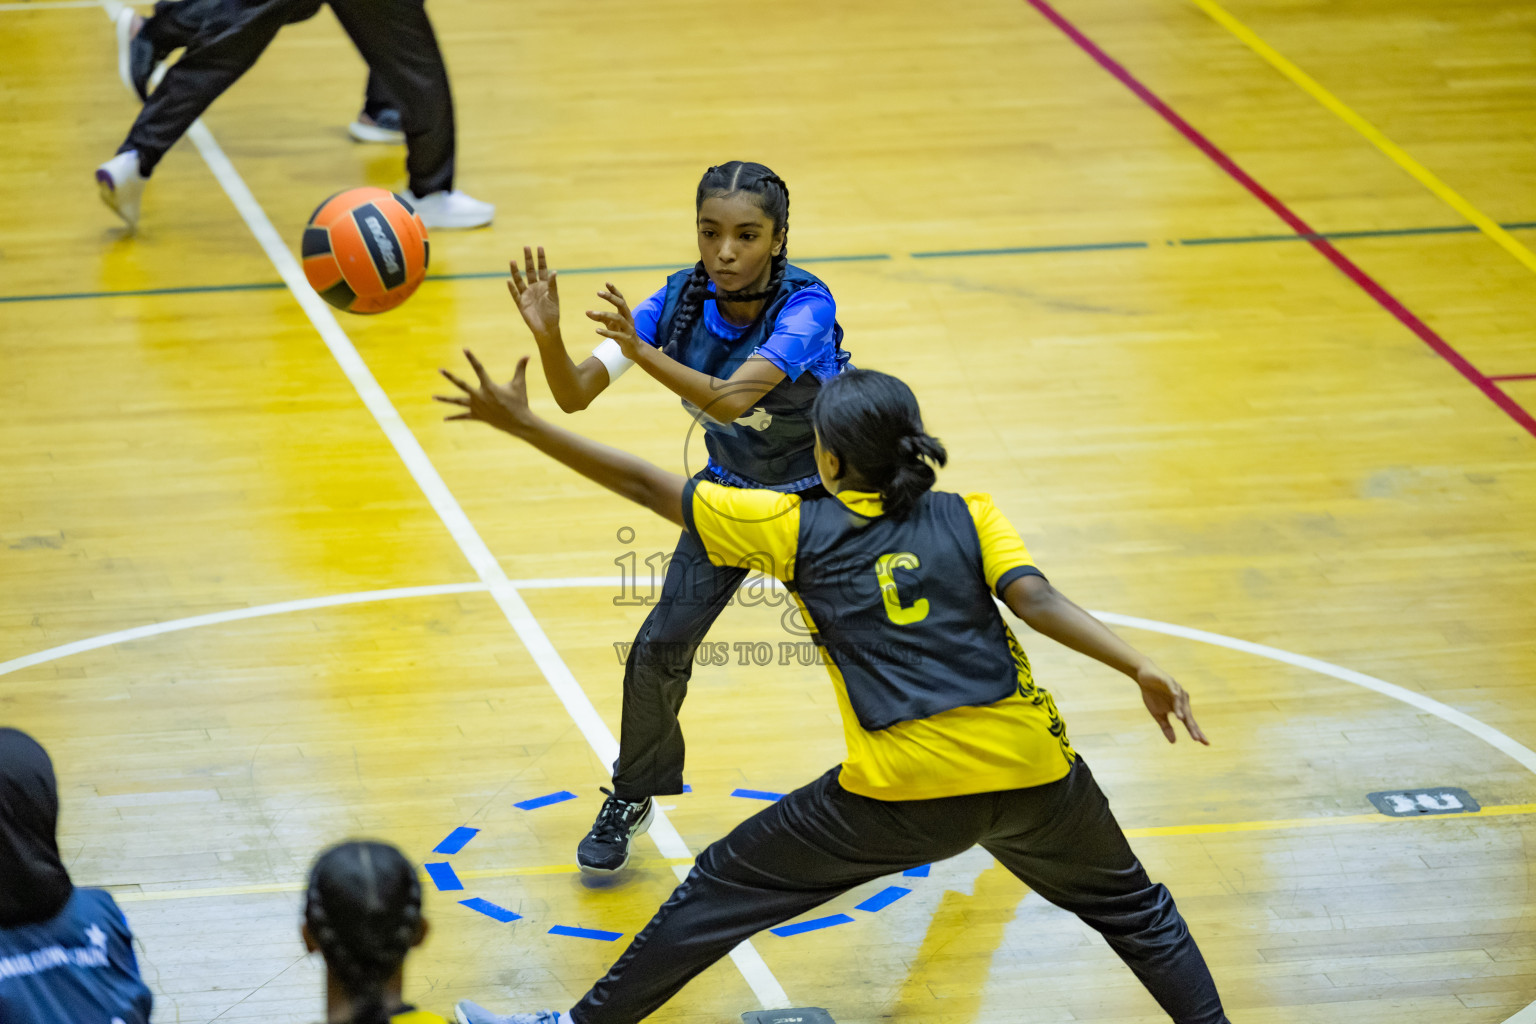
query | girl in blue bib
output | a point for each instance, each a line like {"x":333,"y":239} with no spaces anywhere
{"x":746,"y":340}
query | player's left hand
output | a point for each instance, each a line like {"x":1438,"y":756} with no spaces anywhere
{"x":1166,"y":699}
{"x":503,"y":406}
{"x":618,"y":324}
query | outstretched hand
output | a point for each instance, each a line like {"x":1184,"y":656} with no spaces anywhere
{"x":503,"y":406}
{"x":1164,"y":698}
{"x":619,"y":324}
{"x":537,"y":296}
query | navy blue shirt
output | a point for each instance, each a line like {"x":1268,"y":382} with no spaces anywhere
{"x":75,"y":968}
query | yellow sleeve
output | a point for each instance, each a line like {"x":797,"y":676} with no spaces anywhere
{"x":1004,"y":558}
{"x":754,"y":529}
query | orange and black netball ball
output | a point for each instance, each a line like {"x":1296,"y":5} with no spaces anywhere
{"x":365,"y":250}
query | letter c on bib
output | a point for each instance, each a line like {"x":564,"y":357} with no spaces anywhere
{"x":885,"y":568}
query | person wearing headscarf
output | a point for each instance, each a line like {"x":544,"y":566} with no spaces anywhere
{"x":66,"y":953}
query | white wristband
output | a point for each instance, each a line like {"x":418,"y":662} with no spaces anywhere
{"x":612,"y":356}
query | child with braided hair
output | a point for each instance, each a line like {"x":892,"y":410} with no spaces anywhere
{"x":363,"y":915}
{"x":746,"y":340}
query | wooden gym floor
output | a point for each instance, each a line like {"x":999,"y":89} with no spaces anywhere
{"x":1088,"y":262}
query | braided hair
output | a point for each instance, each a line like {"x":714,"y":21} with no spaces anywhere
{"x":363,"y":910}
{"x":871,"y":422}
{"x":772,"y":196}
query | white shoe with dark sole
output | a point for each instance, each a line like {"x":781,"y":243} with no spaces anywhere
{"x":122,"y":186}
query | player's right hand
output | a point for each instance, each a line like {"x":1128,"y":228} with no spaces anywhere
{"x":537,"y":294}
{"x":503,"y":406}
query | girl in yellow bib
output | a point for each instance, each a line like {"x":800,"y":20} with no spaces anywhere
{"x":951,"y":743}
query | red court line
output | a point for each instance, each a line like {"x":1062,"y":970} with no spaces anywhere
{"x":1383,"y":298}
{"x":1513,"y":376}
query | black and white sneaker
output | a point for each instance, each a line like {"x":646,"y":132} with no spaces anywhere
{"x":136,"y":56}
{"x":605,"y":850}
{"x":384,"y":126}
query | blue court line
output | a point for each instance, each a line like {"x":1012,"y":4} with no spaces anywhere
{"x":456,"y":840}
{"x":490,"y":909}
{"x":585,"y":933}
{"x":882,"y":899}
{"x":544,"y":801}
{"x":687,"y":788}
{"x":757,"y":794}
{"x":787,"y":930}
{"x":443,"y":876}
{"x":920,"y":872}
{"x":263,"y":286}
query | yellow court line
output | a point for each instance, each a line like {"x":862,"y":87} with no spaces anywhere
{"x":1276,"y":825}
{"x":1279,"y":824}
{"x":1487,"y":225}
{"x":272,"y":887}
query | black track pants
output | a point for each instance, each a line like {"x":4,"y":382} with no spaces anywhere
{"x":1060,"y":839}
{"x":660,"y":664}
{"x":175,"y":23}
{"x":394,"y":37}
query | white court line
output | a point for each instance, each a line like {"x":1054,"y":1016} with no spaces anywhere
{"x":662,"y":832}
{"x":1487,"y":733}
{"x":1483,"y":731}
{"x":48,"y":5}
{"x":123,"y":636}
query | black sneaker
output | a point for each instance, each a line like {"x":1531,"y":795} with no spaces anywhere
{"x":605,"y":850}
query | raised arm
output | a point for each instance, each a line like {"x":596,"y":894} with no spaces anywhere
{"x":723,"y":399}
{"x":1048,"y":611}
{"x":538,"y":300}
{"x":505,"y":407}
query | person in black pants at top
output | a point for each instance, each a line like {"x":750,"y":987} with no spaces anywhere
{"x":395,"y":38}
{"x":951,"y":742}
{"x":143,"y":44}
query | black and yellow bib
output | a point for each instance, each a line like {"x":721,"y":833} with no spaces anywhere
{"x":903,"y":609}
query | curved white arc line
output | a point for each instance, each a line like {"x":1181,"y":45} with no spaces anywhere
{"x":281,"y":607}
{"x":1487,"y":733}
{"x":232,"y":615}
{"x":666,"y":836}
{"x":604,"y":743}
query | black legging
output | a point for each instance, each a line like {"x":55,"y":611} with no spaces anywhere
{"x":394,"y":37}
{"x":1060,"y":839}
{"x":660,"y":663}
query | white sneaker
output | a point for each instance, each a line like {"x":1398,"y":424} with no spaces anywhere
{"x":451,"y":210}
{"x":122,"y":186}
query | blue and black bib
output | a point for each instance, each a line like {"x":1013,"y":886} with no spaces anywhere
{"x":772,"y":444}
